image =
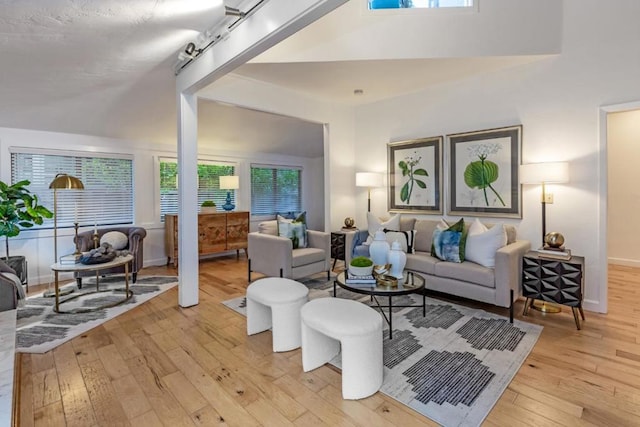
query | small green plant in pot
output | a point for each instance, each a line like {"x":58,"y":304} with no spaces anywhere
{"x":208,"y":206}
{"x":361,"y":266}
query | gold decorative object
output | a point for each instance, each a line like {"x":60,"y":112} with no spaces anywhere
{"x":386,"y":280}
{"x":349,"y":222}
{"x":554,"y":239}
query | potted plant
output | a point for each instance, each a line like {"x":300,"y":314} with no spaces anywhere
{"x":19,"y":209}
{"x":361,"y":266}
{"x":208,"y":206}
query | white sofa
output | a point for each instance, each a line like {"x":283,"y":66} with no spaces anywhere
{"x":466,"y":279}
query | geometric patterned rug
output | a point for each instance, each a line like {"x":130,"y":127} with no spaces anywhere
{"x":39,"y":329}
{"x":452,"y":365}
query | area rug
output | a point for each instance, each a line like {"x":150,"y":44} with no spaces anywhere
{"x":39,"y":329}
{"x":452,"y":365}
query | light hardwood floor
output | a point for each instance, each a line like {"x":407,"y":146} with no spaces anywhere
{"x":159,"y":364}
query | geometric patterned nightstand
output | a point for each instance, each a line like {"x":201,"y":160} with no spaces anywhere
{"x":553,"y":280}
{"x":338,"y":239}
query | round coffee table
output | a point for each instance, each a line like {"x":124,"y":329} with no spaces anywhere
{"x":411,"y":283}
{"x":121,"y":260}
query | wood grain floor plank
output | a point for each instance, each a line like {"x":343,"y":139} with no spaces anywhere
{"x":152,"y":352}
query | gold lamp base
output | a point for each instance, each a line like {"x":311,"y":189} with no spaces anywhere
{"x":546,"y":307}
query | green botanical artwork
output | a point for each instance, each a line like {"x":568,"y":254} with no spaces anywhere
{"x":481,"y":173}
{"x":410,"y":169}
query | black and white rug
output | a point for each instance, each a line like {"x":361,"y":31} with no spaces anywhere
{"x":39,"y":329}
{"x":451,"y":365}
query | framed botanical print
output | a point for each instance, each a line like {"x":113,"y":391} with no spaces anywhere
{"x":415,"y":175}
{"x":483,"y":172}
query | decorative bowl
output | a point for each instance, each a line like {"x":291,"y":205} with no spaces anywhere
{"x":361,"y":271}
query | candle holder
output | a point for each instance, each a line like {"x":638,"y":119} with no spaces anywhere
{"x":77,"y":252}
{"x":96,"y":240}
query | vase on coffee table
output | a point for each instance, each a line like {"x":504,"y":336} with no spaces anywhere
{"x":379,"y":248}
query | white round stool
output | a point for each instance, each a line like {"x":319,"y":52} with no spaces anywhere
{"x":331,"y":323}
{"x":275,"y":302}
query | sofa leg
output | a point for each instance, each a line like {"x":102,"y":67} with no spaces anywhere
{"x":249,"y":270}
{"x":511,"y":306}
{"x":135,"y":277}
{"x":281,"y":273}
{"x":79,"y":282}
{"x":328,"y":275}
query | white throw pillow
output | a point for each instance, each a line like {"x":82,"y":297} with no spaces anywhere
{"x":117,"y":239}
{"x":482,"y":243}
{"x":374,"y":224}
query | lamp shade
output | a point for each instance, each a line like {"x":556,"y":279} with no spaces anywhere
{"x":66,"y":182}
{"x":229,"y":182}
{"x":548,"y":173}
{"x":368,"y":179}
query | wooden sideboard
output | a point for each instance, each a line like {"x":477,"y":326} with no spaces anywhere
{"x":217,"y":232}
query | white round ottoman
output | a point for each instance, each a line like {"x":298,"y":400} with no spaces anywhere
{"x":331,"y":323}
{"x":275,"y":302}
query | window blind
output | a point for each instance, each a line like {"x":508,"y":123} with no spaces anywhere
{"x":107,"y":198}
{"x":209,"y":173}
{"x":275,"y":189}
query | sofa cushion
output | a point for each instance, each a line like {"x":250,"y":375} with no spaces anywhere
{"x":407,"y":223}
{"x":304,"y":256}
{"x":467,"y":272}
{"x":405,"y":238}
{"x":449,"y":244}
{"x":422,"y":262}
{"x":375,"y":223}
{"x":482,"y":243}
{"x":424,"y":233}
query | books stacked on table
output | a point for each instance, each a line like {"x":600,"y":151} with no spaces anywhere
{"x":367,"y":281}
{"x":555,"y":253}
{"x":70,"y":259}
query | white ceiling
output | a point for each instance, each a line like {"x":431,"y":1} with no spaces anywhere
{"x":106,"y":68}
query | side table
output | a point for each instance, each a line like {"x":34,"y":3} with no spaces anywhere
{"x":339,"y":245}
{"x":553,"y":280}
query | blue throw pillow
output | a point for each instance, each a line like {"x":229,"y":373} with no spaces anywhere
{"x":449,"y":244}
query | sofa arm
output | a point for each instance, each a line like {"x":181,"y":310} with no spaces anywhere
{"x":8,"y":295}
{"x":320,"y":240}
{"x":508,"y":270}
{"x":136,"y":237}
{"x":352,"y":240}
{"x":268,"y":254}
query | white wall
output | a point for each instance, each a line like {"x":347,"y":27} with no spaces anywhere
{"x":623,"y":151}
{"x":37,"y":245}
{"x":557,"y":102}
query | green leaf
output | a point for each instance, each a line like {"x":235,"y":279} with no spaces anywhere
{"x":404,"y":193}
{"x":405,"y":168}
{"x":420,"y":172}
{"x":480,"y":174}
{"x":420,"y":183}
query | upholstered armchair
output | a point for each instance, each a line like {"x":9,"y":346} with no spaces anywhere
{"x":134,"y":245}
{"x":274,"y":256}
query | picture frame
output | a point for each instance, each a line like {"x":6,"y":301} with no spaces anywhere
{"x":415,"y":175}
{"x":483,"y":173}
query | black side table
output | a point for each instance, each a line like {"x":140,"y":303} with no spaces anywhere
{"x":338,"y":239}
{"x":553,"y":280}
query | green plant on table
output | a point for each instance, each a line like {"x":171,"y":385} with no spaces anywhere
{"x":208,"y":204}
{"x":361,"y":261}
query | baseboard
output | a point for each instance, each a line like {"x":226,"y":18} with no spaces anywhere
{"x":623,"y":261}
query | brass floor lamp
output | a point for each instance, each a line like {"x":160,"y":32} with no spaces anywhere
{"x":62,"y":181}
{"x":545,"y":173}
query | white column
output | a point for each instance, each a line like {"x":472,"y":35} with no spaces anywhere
{"x":188,"y":199}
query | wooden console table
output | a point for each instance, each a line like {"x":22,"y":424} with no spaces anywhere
{"x":217,"y":232}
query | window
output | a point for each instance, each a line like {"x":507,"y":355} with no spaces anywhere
{"x":275,"y":189}
{"x":418,"y":4}
{"x":209,"y":173}
{"x":107,"y":197}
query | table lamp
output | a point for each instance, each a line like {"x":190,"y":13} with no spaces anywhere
{"x":231,"y":182}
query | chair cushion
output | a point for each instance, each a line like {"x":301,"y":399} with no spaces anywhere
{"x":117,"y":239}
{"x":304,"y":256}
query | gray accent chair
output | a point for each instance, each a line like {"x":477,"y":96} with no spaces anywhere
{"x":8,"y":291}
{"x":136,"y":236}
{"x":274,"y":256}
